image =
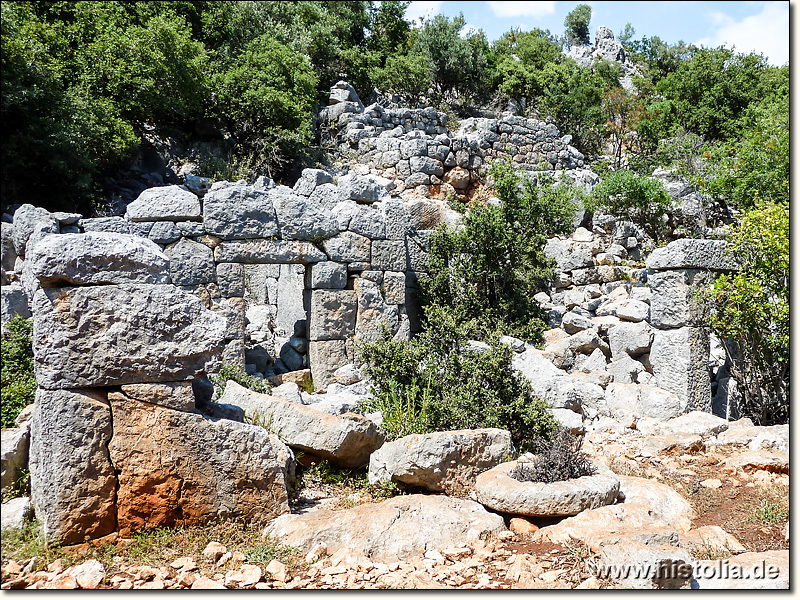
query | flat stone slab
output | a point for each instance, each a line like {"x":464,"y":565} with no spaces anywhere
{"x":395,"y":529}
{"x":496,"y":489}
{"x":770,"y":461}
{"x":346,"y":440}
{"x":748,"y":571}
{"x":166,"y":203}
{"x":268,"y":252}
{"x":440,"y":460}
{"x":692,"y":254}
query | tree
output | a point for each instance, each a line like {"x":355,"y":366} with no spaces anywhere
{"x":576,"y":25}
{"x":623,"y":112}
{"x":751,"y":311}
{"x":521,"y":56}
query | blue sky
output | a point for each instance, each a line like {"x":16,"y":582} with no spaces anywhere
{"x":750,"y":26}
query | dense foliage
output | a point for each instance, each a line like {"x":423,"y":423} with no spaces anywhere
{"x":18,"y":386}
{"x":751,"y":310}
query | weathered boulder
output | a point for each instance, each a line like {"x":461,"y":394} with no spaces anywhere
{"x":311,"y":179}
{"x":166,"y":203}
{"x":191,"y":263}
{"x":498,"y":490}
{"x":773,"y":437}
{"x":347,"y":440}
{"x":13,"y":302}
{"x":633,"y":310}
{"x":300,"y":218}
{"x":13,"y":455}
{"x":569,"y":255}
{"x":623,"y":400}
{"x":118,"y":225}
{"x":711,"y":538}
{"x":97,"y":258}
{"x":761,"y":459}
{"x":692,"y":254}
{"x":442,"y":460}
{"x":696,"y":422}
{"x":636,"y":565}
{"x":14,"y":513}
{"x":72,"y":478}
{"x":179,"y":468}
{"x":396,"y":529}
{"x":27,"y":218}
{"x":629,"y":339}
{"x":237,"y":211}
{"x":364,"y":188}
{"x":110,"y":335}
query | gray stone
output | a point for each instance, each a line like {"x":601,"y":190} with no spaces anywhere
{"x":629,"y":339}
{"x":105,"y":224}
{"x":498,"y":490}
{"x":625,"y":369}
{"x":333,"y":314}
{"x":348,"y":375}
{"x":623,"y":401}
{"x":569,"y":420}
{"x":394,"y":288}
{"x":696,"y":422}
{"x":573,"y":322}
{"x":290,"y":300}
{"x":517,"y":345}
{"x":633,"y":310}
{"x":692,"y":254}
{"x":131,"y":333}
{"x":8,"y":255}
{"x":348,"y":247}
{"x":673,"y":303}
{"x":647,"y":567}
{"x":179,"y":467}
{"x":396,"y":529}
{"x":427,"y":165}
{"x":191,"y":263}
{"x":237,"y":210}
{"x":389,"y":255}
{"x":65,"y":218}
{"x":569,"y":255}
{"x":749,"y":571}
{"x":13,"y":303}
{"x":328,"y":275}
{"x":326,"y":195}
{"x":26,"y":219}
{"x":15,"y":512}
{"x":291,"y":358}
{"x":177,"y":395}
{"x":300,"y":218}
{"x":230,"y":279}
{"x":288,"y":391}
{"x":440,"y":461}
{"x":325,"y":358}
{"x":679,"y":359}
{"x":268,"y":252}
{"x":98,"y":258}
{"x":261,"y":283}
{"x":311,"y":179}
{"x":373,"y":312}
{"x":13,"y":456}
{"x":397,"y":218}
{"x":73,"y":482}
{"x":189,"y":228}
{"x":363,"y":188}
{"x":347,"y":441}
{"x":164,"y":232}
{"x":168,"y":203}
{"x":366,"y":220}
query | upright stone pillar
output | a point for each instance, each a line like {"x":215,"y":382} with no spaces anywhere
{"x":680,"y":350}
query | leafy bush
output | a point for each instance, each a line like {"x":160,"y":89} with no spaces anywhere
{"x":18,"y":387}
{"x":637,"y":198}
{"x":576,"y":25}
{"x":489,"y":271}
{"x":237,"y":374}
{"x":560,"y":459}
{"x":751,"y":309}
{"x":408,"y":76}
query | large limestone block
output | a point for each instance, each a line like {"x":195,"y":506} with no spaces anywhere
{"x":300,"y":218}
{"x":328,"y":275}
{"x":13,"y":302}
{"x":364,"y":188}
{"x":692,"y":254}
{"x":348,"y":247}
{"x":15,"y":512}
{"x":673,"y":303}
{"x":177,"y":395}
{"x":389,"y":255}
{"x":111,"y":335}
{"x":72,"y":478}
{"x":496,"y":489}
{"x":311,"y":179}
{"x":569,"y":255}
{"x":13,"y":455}
{"x":291,"y":315}
{"x":624,"y":400}
{"x":346,"y":440}
{"x":179,"y":469}
{"x":749,"y":571}
{"x":373,"y":312}
{"x":696,"y":422}
{"x":27,"y":219}
{"x":268,"y":252}
{"x":333,"y":314}
{"x":166,"y":203}
{"x":239,"y":211}
{"x":191,"y":263}
{"x":642,"y":566}
{"x":629,"y":340}
{"x":396,"y":529}
{"x":97,"y":258}
{"x":324,"y":358}
{"x":679,"y":358}
{"x":440,"y":461}
{"x":116,"y":225}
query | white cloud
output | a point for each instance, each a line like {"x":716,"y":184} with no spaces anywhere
{"x":522,"y":9}
{"x":766,"y":32}
{"x":467,"y":30}
{"x":422,"y":8}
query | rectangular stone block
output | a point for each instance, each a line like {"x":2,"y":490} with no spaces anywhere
{"x":177,"y":395}
{"x":261,"y":283}
{"x":230,"y":279}
{"x":348,"y":247}
{"x":394,"y":287}
{"x":324,"y":357}
{"x":117,"y":334}
{"x":692,"y":254}
{"x":389,"y":255}
{"x":328,"y":275}
{"x":679,"y":358}
{"x":268,"y":251}
{"x":673,"y":302}
{"x":333,"y":314}
{"x":291,"y":300}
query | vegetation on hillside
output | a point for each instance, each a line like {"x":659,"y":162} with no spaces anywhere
{"x":18,"y":386}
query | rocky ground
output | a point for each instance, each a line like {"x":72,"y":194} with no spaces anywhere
{"x":716,"y":495}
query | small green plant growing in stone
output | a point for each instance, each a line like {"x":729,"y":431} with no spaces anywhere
{"x":230,"y":372}
{"x":17,"y":382}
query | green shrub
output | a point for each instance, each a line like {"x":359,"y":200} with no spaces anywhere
{"x":236,"y":373}
{"x":559,"y":459}
{"x":637,"y":198}
{"x":751,"y":309}
{"x":18,"y":382}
